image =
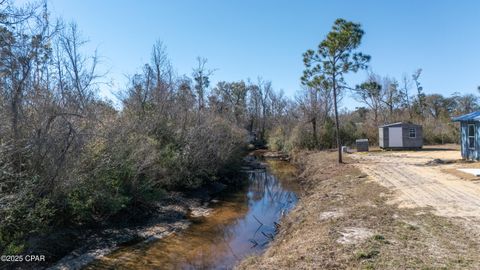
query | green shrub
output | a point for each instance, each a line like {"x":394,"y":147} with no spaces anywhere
{"x":14,"y":248}
{"x":300,"y":138}
{"x":348,"y":133}
{"x":367,"y":255}
{"x":29,"y":215}
{"x":101,"y":194}
{"x":327,"y":138}
{"x":277,"y":140}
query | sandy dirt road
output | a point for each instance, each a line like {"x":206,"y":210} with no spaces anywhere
{"x":416,"y":183}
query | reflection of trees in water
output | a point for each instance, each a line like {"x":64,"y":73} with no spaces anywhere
{"x":264,"y":186}
{"x":204,"y":245}
{"x":266,"y":190}
{"x":235,"y":229}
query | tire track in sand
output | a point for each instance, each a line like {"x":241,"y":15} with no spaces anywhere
{"x":422,"y":186}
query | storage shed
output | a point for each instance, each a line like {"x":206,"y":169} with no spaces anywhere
{"x":469,"y":135}
{"x":362,"y":145}
{"x":400,"y":136}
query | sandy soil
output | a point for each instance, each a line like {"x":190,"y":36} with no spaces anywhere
{"x":419,"y":181}
{"x":348,"y":215}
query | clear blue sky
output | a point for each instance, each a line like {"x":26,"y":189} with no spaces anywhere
{"x":247,"y":39}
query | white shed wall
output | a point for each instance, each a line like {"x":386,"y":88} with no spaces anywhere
{"x":395,"y":137}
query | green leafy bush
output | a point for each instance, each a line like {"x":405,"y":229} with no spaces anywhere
{"x":27,"y":215}
{"x":97,"y":200}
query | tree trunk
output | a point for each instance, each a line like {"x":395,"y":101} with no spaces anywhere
{"x":264,"y":123}
{"x":337,"y":128}
{"x":15,"y":135}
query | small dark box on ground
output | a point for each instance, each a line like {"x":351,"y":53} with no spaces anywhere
{"x":362,"y":145}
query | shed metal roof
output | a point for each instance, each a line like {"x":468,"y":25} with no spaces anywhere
{"x":474,"y":116}
{"x":397,"y":124}
{"x":392,"y":124}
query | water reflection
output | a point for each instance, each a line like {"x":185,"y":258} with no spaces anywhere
{"x":241,"y":224}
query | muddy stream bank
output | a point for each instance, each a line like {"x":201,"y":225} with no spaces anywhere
{"x":237,"y":223}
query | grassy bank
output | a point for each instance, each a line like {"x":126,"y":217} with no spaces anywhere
{"x":344,"y":221}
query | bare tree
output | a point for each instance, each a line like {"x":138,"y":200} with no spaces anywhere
{"x":265,"y":89}
{"x":310,"y":103}
{"x":391,"y":96}
{"x":201,"y":75}
{"x":420,"y":99}
{"x":405,"y":94}
{"x":80,"y":70}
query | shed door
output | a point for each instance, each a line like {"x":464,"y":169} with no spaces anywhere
{"x":395,"y":137}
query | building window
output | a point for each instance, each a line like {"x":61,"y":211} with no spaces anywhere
{"x":471,"y":136}
{"x":412,"y":133}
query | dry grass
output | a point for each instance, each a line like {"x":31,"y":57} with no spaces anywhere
{"x":343,"y":221}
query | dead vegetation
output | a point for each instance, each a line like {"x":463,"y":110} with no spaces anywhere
{"x":344,"y":221}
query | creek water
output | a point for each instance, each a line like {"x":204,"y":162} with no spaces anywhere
{"x":241,"y":223}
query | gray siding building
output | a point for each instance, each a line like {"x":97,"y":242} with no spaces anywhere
{"x":400,"y":136}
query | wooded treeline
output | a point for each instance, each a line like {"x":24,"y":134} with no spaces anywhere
{"x":70,"y":158}
{"x":316,"y":123}
{"x":385,"y":100}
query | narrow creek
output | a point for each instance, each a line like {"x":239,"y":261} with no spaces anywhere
{"x":241,"y":223}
